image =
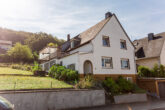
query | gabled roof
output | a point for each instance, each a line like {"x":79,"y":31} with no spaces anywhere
{"x":149,"y":49}
{"x":90,"y":33}
{"x":87,"y":35}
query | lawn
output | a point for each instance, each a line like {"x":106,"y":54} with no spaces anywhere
{"x":29,"y":82}
{"x":6,"y":70}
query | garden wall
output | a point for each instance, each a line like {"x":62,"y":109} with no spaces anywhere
{"x":130,"y":98}
{"x":54,"y":99}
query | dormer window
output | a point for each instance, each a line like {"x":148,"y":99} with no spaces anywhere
{"x":123,"y":44}
{"x":105,"y":41}
{"x":72,"y":44}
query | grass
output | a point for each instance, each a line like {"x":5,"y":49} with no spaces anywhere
{"x":29,"y":82}
{"x":6,"y":70}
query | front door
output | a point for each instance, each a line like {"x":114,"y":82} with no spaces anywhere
{"x":88,"y":68}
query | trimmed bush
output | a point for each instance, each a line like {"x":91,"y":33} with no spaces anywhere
{"x":120,"y":86}
{"x":124,"y":85}
{"x":144,"y":71}
{"x":156,"y":71}
{"x":110,"y":85}
{"x":62,"y":73}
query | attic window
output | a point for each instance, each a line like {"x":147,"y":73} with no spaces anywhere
{"x":106,"y":42}
{"x":72,"y":44}
{"x":123,"y":44}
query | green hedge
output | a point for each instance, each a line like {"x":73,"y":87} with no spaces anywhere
{"x":120,"y":86}
{"x":156,"y":71}
{"x":62,"y":73}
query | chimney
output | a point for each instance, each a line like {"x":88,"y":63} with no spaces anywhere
{"x":68,"y":37}
{"x":150,"y":36}
{"x":108,"y":14}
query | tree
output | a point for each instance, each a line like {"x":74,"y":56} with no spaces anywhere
{"x":20,"y":53}
{"x":40,"y":40}
{"x":52,"y":44}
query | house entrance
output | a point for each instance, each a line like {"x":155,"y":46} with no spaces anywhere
{"x":88,"y":67}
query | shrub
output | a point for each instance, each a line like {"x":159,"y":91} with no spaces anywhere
{"x":62,"y":73}
{"x":21,"y":67}
{"x":144,"y":71}
{"x":110,"y":85}
{"x":88,"y":83}
{"x":162,"y":71}
{"x":156,"y":71}
{"x":120,"y":86}
{"x":125,"y":85}
{"x":36,"y":67}
{"x":52,"y":71}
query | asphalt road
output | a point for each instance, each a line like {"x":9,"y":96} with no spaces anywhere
{"x":159,"y":109}
{"x":150,"y":105}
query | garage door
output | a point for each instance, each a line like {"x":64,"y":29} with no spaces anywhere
{"x":162,"y":89}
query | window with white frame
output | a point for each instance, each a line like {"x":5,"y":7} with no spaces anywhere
{"x":71,"y":66}
{"x":107,"y":62}
{"x":106,"y":41}
{"x":125,"y":63}
{"x":123,"y":44}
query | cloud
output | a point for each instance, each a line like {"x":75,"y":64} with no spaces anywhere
{"x":60,"y":17}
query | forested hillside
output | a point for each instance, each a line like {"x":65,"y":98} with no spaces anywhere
{"x":36,"y":41}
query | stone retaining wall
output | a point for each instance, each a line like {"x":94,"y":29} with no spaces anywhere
{"x":54,"y":99}
{"x":129,"y":98}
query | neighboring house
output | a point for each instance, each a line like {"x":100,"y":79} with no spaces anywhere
{"x":5,"y":46}
{"x":150,"y":50}
{"x":103,"y":50}
{"x":45,"y":52}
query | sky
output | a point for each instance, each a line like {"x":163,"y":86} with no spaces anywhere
{"x":62,"y":17}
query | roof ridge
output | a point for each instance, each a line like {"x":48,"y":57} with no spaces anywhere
{"x":147,"y":37}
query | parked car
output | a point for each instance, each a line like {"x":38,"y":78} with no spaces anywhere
{"x":5,"y":105}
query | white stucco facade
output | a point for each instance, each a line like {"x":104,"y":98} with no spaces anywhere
{"x":94,"y":51}
{"x":162,"y":55}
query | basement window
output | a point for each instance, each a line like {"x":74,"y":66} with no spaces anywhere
{"x":129,"y":79}
{"x":106,"y":42}
{"x":107,"y":62}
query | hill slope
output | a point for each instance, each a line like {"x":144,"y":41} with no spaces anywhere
{"x":36,"y":41}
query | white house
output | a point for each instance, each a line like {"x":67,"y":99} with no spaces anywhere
{"x":45,"y":52}
{"x":4,"y":46}
{"x":104,"y":50}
